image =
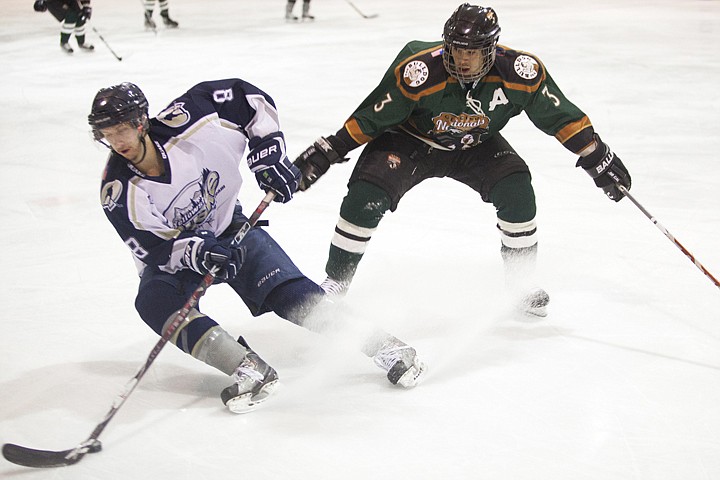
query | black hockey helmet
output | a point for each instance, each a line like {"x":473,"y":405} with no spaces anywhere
{"x":471,"y":27}
{"x":123,"y":103}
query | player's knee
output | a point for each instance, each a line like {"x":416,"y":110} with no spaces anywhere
{"x":514,"y":198}
{"x":295,"y":299}
{"x":365,"y":204}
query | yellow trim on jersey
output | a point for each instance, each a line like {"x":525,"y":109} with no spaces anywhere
{"x":515,"y":86}
{"x":572,"y":129}
{"x":399,"y":77}
{"x":353,"y":128}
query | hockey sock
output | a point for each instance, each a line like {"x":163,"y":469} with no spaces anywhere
{"x":360,"y":213}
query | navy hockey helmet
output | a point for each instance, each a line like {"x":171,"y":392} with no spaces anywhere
{"x":471,"y":27}
{"x":123,"y":103}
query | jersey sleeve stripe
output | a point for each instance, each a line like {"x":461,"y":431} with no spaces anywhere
{"x":572,"y":129}
{"x":353,"y":128}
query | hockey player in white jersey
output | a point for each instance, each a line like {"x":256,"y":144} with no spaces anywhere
{"x":170,"y":189}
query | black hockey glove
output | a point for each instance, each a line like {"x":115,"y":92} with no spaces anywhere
{"x":606,"y":169}
{"x":273,"y":171}
{"x":316,"y":160}
{"x":86,"y":13}
{"x":204,"y":252}
{"x":40,"y":6}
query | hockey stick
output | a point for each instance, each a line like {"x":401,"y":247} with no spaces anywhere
{"x":669,"y":235}
{"x":374,"y":15}
{"x":29,"y":457}
{"x":119,"y":59}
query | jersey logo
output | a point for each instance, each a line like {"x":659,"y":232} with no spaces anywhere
{"x":393,"y":161}
{"x":195,"y":204}
{"x":450,"y":122}
{"x":175,"y":115}
{"x":110,"y":195}
{"x":416,"y":73}
{"x":526,"y":67}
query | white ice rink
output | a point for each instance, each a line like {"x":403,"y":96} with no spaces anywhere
{"x":620,"y":382}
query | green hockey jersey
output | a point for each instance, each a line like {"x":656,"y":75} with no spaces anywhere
{"x":417,"y":95}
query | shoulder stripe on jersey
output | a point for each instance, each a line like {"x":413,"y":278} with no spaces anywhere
{"x":399,"y":71}
{"x":515,"y":86}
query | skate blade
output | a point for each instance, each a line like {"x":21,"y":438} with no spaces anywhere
{"x":535,"y":312}
{"x":249,"y":402}
{"x":411,"y":378}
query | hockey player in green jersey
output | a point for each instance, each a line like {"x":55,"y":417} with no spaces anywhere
{"x":438,"y":112}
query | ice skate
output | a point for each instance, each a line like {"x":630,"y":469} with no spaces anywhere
{"x":65,"y":47}
{"x":255,"y":381}
{"x":167,"y":21}
{"x":334,"y":288}
{"x":149,"y":22}
{"x":289,"y":17}
{"x":401,"y":363}
{"x":86,"y":47}
{"x":306,"y":17}
{"x":534,"y":304}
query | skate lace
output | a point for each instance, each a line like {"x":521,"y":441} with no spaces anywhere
{"x":386,"y":358}
{"x":247,"y":372}
{"x":333,"y":287}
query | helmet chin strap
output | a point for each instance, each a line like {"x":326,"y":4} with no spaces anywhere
{"x":144,"y":145}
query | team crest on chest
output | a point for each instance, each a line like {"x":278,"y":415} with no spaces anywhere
{"x":175,"y":115}
{"x":416,"y":73}
{"x":196,"y":203}
{"x":527,"y":67}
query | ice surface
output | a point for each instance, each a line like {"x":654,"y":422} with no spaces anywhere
{"x":621,"y":381}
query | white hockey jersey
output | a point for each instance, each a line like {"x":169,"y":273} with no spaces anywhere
{"x":201,"y":137}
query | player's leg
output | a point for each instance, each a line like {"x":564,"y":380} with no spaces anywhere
{"x":67,"y":27}
{"x":502,"y":178}
{"x":270,"y":282}
{"x":165,"y":14}
{"x":306,"y":11}
{"x":388,"y":167}
{"x":159,"y":298}
{"x":80,"y":35}
{"x":514,"y":199}
{"x":149,"y":6}
{"x":289,"y":16}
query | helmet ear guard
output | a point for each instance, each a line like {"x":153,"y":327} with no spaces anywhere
{"x":123,"y":103}
{"x":471,"y":27}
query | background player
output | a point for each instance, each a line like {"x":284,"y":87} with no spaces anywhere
{"x":72,"y":16}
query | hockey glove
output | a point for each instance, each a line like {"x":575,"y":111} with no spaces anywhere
{"x":316,"y":160}
{"x":204,"y":252}
{"x":273,"y":171}
{"x":606,"y":169}
{"x":86,"y":13}
{"x":40,"y":6}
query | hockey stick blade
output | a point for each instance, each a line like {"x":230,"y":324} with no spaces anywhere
{"x":373,"y":15}
{"x":30,"y":457}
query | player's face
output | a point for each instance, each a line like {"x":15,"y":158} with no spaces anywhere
{"x":125,"y":140}
{"x":468,"y":62}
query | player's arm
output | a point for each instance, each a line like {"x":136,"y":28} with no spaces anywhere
{"x":390,"y":104}
{"x":253,"y":112}
{"x":554,"y":114}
